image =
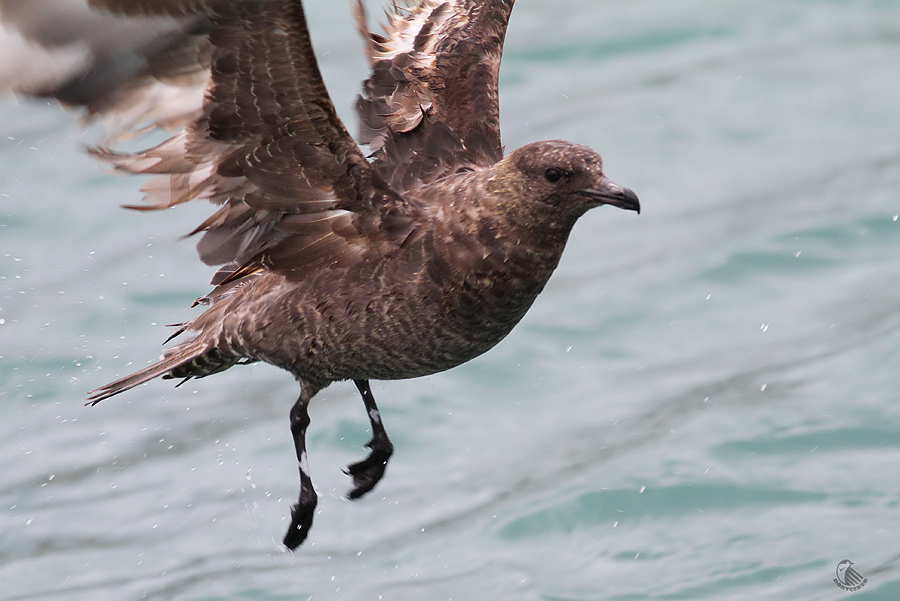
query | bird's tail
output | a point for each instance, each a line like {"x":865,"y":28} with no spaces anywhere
{"x":191,"y":359}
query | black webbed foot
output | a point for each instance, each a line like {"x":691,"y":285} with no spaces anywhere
{"x":301,"y":521}
{"x":368,"y":472}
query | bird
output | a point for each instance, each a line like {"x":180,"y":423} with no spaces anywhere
{"x":846,"y":575}
{"x":334,"y":264}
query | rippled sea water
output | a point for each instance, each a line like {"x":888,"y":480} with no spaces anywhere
{"x":703,"y":404}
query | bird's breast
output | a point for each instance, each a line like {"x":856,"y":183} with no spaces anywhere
{"x":422,"y":310}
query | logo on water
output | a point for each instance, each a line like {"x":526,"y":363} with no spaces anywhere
{"x":848,"y":578}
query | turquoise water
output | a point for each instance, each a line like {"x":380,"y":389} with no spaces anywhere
{"x":701,"y":405}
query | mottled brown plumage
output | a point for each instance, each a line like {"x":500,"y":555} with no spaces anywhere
{"x":336,"y":266}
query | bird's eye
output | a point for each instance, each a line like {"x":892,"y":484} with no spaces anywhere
{"x":553,"y":175}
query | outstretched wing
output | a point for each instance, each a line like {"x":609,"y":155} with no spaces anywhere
{"x":430,"y":107}
{"x":148,"y":68}
{"x":264,"y":143}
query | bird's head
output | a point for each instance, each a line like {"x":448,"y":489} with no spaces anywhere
{"x":557,"y":180}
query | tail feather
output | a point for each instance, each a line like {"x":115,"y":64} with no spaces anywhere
{"x":171,"y":360}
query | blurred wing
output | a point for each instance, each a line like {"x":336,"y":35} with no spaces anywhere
{"x":264,"y":142}
{"x":148,"y":67}
{"x":430,"y":107}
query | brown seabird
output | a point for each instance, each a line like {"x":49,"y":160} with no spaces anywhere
{"x":335,"y":265}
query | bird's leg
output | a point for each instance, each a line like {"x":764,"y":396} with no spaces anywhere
{"x":302,"y":512}
{"x":369,"y":471}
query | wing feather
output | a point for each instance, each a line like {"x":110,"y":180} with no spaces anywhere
{"x":430,"y":107}
{"x":262,"y":140}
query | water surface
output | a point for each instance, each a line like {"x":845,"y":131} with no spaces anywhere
{"x":701,"y":405}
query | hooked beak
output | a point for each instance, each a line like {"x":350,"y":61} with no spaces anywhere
{"x":609,"y":193}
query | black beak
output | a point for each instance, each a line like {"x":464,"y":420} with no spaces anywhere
{"x":609,"y":193}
